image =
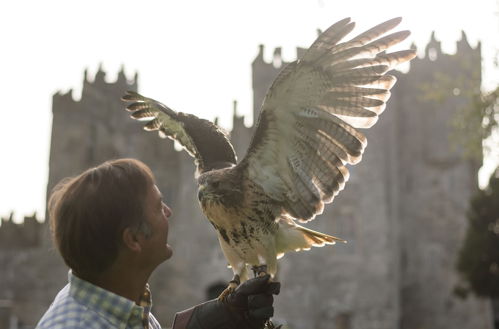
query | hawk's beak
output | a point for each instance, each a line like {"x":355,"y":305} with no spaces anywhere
{"x":201,"y":192}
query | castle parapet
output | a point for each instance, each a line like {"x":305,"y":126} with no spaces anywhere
{"x":19,"y":236}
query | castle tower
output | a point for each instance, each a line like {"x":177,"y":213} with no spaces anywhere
{"x":403,"y":212}
{"x":89,"y":131}
{"x":435,"y":182}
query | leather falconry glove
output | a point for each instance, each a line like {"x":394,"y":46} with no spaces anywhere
{"x":248,"y":307}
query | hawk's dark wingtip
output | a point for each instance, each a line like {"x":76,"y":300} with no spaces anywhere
{"x":131,"y":96}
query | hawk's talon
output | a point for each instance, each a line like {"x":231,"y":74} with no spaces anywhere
{"x":233,"y":284}
{"x":229,"y":290}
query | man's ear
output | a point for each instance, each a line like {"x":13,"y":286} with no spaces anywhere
{"x":131,"y":240}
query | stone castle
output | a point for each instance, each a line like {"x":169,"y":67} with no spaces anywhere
{"x":402,"y":212}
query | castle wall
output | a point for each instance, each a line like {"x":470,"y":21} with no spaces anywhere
{"x":30,"y":272}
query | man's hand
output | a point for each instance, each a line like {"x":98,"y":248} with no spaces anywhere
{"x":252,"y":301}
{"x":248,"y":307}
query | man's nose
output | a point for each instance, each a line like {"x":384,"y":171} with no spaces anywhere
{"x":168,"y":211}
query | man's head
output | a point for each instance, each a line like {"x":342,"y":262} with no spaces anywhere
{"x":92,"y":214}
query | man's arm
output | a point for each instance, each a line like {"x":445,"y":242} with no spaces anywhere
{"x":182,"y":318}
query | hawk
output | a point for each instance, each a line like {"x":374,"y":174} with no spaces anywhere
{"x":306,"y":134}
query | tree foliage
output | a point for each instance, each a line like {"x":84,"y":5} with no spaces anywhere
{"x":478,"y":260}
{"x":475,"y":122}
{"x":476,"y":112}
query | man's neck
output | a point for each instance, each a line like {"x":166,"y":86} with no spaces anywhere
{"x":126,"y":281}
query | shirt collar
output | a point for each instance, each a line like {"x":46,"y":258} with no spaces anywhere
{"x":117,"y":309}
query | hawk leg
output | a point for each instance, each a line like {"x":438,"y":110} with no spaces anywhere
{"x":230,"y":288}
{"x":259,"y":270}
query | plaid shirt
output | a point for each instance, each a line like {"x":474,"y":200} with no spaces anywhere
{"x":81,"y":304}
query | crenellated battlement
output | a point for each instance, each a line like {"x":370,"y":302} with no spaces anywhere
{"x":20,"y":236}
{"x":66,"y":100}
{"x":122,"y":82}
{"x":464,"y":63}
{"x":463,"y":48}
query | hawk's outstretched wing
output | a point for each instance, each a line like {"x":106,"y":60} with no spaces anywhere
{"x":200,"y":138}
{"x":306,"y":131}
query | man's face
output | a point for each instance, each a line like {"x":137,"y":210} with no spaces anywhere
{"x":156,"y":247}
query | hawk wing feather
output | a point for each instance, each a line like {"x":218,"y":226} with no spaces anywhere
{"x":307,"y":129}
{"x":202,"y":139}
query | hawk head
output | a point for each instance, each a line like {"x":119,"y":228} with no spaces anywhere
{"x":220,"y":186}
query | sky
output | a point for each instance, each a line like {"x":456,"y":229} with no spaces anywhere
{"x":193,"y":55}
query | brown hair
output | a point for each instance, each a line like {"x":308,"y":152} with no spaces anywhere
{"x":89,"y":212}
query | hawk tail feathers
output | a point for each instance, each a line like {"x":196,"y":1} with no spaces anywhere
{"x":295,"y":237}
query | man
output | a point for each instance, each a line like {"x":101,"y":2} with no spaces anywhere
{"x":110,"y":225}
